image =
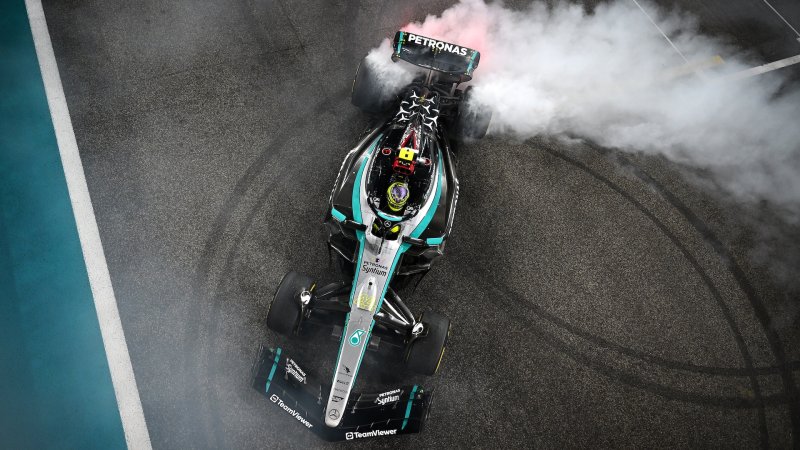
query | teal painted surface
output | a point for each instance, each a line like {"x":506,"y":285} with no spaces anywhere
{"x":356,"y":197}
{"x":471,"y":61}
{"x":408,"y":406}
{"x":338,"y":215}
{"x":399,"y":42}
{"x":389,"y":218}
{"x":55,"y":387}
{"x":274,"y":366}
{"x":423,"y":224}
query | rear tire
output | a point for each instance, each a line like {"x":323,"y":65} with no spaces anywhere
{"x":473,"y":121}
{"x":284,"y":311}
{"x":367,"y":93}
{"x":425,"y":354}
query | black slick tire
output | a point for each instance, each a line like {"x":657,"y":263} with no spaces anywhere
{"x":284,"y":311}
{"x":426,"y":352}
{"x":367,"y":94}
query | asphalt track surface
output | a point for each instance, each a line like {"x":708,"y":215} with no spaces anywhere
{"x":598,"y":298}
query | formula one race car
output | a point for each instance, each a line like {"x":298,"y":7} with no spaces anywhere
{"x":389,"y":217}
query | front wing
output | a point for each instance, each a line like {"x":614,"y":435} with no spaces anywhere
{"x":397,"y":410}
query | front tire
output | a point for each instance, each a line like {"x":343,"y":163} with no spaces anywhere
{"x":283,"y":316}
{"x":426,"y":352}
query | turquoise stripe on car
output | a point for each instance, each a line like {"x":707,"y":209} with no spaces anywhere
{"x":356,"y":197}
{"x":408,"y":406}
{"x":434,"y":206}
{"x":472,"y":61}
{"x":434,"y":241}
{"x":389,"y":218}
{"x":338,"y":215}
{"x":274,"y":366}
{"x":356,"y":205}
{"x":400,"y":42}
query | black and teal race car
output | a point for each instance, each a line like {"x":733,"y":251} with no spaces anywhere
{"x":389,"y":217}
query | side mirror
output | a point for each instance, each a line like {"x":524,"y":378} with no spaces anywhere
{"x":430,"y":242}
{"x":414,"y":241}
{"x":353,"y":225}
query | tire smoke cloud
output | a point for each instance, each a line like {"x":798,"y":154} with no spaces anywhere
{"x":611,"y":77}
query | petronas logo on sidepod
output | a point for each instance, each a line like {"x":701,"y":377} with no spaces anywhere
{"x":355,"y":338}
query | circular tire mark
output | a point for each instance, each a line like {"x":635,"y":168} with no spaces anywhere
{"x":513,"y":300}
{"x":728,"y":316}
{"x":759,"y":309}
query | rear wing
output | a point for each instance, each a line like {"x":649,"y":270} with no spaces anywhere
{"x":437,"y":55}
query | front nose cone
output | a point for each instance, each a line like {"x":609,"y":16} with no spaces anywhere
{"x":333,"y":417}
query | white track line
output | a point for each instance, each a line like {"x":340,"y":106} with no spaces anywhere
{"x":775,"y":65}
{"x":783,"y":19}
{"x":119,"y":362}
{"x":661,"y":31}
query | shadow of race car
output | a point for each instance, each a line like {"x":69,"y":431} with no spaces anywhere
{"x":390,"y":213}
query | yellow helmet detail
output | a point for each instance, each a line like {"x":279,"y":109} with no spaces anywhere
{"x":397,"y":195}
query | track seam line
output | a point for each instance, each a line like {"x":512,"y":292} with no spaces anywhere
{"x":661,"y":31}
{"x":783,"y":19}
{"x":119,"y":363}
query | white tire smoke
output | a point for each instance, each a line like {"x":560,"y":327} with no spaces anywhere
{"x":610,"y":76}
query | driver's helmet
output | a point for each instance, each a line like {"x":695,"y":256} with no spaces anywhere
{"x":397,"y":195}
